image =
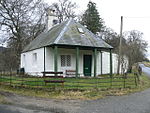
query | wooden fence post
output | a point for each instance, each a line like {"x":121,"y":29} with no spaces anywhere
{"x":111,"y":82}
{"x":10,"y":78}
{"x":124,"y":85}
{"x":135,"y":81}
{"x":22,"y":80}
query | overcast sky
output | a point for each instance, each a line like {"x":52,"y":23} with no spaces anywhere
{"x":135,"y":12}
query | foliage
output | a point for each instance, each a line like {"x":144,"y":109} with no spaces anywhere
{"x":91,"y":18}
{"x":133,"y":45}
{"x":22,"y":20}
{"x":136,"y":47}
{"x":111,"y":37}
{"x":8,"y":60}
{"x":64,"y":9}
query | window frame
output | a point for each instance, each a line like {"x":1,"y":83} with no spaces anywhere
{"x":34,"y":59}
{"x":67,"y":60}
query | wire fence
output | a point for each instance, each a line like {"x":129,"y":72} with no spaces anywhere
{"x":11,"y":79}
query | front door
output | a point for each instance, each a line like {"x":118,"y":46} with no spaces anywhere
{"x":87,"y":64}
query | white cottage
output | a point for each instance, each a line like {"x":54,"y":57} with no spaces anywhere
{"x":68,"y":46}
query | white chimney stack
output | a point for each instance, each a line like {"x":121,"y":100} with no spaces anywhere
{"x":51,"y":19}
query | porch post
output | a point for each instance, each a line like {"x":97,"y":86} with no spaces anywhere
{"x":101,"y":63}
{"x":77,"y":61}
{"x":44,"y":59}
{"x":55,"y":58}
{"x":95,"y":61}
{"x":111,"y":63}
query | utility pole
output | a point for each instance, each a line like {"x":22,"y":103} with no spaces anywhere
{"x":120,"y":46}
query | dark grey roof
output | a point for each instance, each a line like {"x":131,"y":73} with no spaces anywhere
{"x":67,"y":33}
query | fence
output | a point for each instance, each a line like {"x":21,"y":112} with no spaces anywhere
{"x":70,"y":83}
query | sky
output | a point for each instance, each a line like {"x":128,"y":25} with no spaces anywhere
{"x":135,"y":14}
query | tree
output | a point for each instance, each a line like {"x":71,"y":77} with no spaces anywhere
{"x":136,"y":47}
{"x":7,"y":59}
{"x":22,"y":20}
{"x":133,"y":46}
{"x":64,"y":9}
{"x":111,"y":37}
{"x":91,"y":18}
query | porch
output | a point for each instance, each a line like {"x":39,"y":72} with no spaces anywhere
{"x":84,"y":61}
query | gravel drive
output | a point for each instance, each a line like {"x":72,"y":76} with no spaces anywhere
{"x":133,"y":103}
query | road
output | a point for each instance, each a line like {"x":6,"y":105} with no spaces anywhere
{"x":146,"y":70}
{"x":133,"y":103}
{"x":18,"y":109}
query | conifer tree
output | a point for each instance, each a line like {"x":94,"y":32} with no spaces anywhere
{"x":91,"y":18}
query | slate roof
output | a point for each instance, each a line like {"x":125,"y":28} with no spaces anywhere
{"x":67,"y":33}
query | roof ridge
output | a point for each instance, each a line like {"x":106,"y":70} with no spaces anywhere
{"x":62,"y":32}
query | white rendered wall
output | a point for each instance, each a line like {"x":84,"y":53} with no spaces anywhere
{"x":49,"y":59}
{"x":105,"y":63}
{"x":28,"y":64}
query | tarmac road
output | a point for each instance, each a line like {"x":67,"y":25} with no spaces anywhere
{"x":19,"y":109}
{"x":146,"y":70}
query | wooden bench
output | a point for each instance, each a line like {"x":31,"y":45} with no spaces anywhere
{"x":57,"y":75}
{"x":71,"y":73}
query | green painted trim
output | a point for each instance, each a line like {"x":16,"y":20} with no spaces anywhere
{"x":111,"y":63}
{"x":77,"y":61}
{"x":80,"y":46}
{"x":71,"y":47}
{"x":95,"y":61}
{"x":55,"y":59}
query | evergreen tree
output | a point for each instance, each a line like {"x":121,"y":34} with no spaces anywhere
{"x":91,"y":18}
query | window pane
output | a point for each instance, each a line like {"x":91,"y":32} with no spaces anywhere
{"x":62,"y":60}
{"x":68,"y":57}
{"x":65,"y":60}
{"x":34,"y":58}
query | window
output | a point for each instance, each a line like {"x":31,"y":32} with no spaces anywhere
{"x":65,"y":60}
{"x":80,"y":30}
{"x":34,"y":58}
